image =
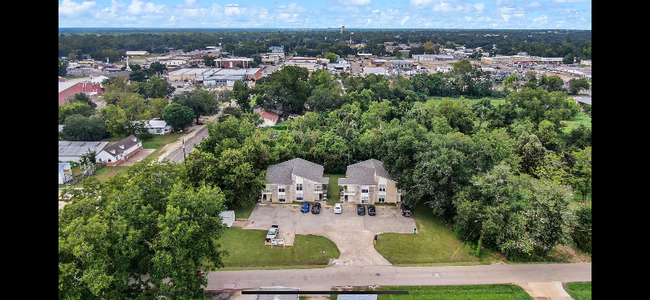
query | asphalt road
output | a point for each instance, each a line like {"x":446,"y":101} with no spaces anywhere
{"x":325,"y":278}
{"x":177,"y":155}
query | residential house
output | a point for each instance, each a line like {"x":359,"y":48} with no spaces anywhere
{"x":158,"y":126}
{"x":295,"y":180}
{"x":270,"y":118}
{"x":119,"y":152}
{"x":367,"y":182}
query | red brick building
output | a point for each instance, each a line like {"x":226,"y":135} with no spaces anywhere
{"x":68,"y":89}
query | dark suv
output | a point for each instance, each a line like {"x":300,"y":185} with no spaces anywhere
{"x":406,"y":210}
{"x":361,"y":209}
{"x":371,"y":210}
{"x":315,"y":208}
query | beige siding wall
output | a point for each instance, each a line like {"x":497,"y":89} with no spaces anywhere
{"x":391,"y":192}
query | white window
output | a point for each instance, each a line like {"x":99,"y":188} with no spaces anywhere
{"x":364,"y":189}
{"x":282,"y":198}
{"x":382,"y":187}
{"x":364,"y":199}
{"x":299,"y":196}
{"x":382,"y":199}
{"x":298,"y":186}
{"x":280,"y":188}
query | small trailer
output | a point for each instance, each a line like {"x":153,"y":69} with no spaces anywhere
{"x":227,"y":217}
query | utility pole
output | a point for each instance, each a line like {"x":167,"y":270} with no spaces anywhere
{"x":183,"y":149}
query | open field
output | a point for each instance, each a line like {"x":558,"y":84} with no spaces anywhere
{"x":434,"y":244}
{"x":247,"y":250}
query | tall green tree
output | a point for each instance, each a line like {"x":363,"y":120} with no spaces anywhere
{"x":80,"y":128}
{"x":149,"y":235}
{"x":241,"y":93}
{"x":581,"y":172}
{"x":178,"y":116}
{"x":202,"y":102}
{"x":285,"y":90}
{"x":517,"y":215}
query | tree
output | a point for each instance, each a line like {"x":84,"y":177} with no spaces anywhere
{"x":458,"y":113}
{"x":148,"y":221}
{"x":178,"y":116}
{"x":520,"y":216}
{"x":80,"y":128}
{"x":154,"y":87}
{"x":577,"y":84}
{"x":200,"y":101}
{"x":77,"y":108}
{"x":241,"y":93}
{"x":208,"y":61}
{"x":331,"y":56}
{"x":285,"y":90}
{"x":581,"y":172}
{"x":81,"y":98}
{"x":581,"y":234}
{"x":63,"y":67}
{"x":531,"y":151}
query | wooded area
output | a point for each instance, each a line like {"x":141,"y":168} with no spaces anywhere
{"x":102,"y":43}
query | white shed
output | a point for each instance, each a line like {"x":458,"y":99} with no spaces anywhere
{"x":227,"y":217}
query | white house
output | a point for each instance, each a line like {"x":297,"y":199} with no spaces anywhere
{"x":158,"y":126}
{"x":119,"y":152}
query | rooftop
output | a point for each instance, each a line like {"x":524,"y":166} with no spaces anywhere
{"x":281,"y":173}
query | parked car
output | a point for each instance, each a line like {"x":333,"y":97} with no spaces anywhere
{"x":406,"y":210}
{"x":315,"y":209}
{"x":338,"y":208}
{"x":371,"y":210}
{"x":273,"y":233}
{"x":305,"y":207}
{"x":361,"y":209}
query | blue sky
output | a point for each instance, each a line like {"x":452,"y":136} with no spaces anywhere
{"x":474,"y":14}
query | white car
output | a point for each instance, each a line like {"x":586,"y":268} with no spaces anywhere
{"x":337,"y":208}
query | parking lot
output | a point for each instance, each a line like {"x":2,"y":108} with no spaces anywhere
{"x":352,"y":234}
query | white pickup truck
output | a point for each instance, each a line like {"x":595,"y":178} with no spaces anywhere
{"x":273,"y":233}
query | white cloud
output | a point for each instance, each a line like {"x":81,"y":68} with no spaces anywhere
{"x":421,"y":2}
{"x":541,"y":20}
{"x":71,"y":8}
{"x":138,"y":7}
{"x":404,"y":20}
{"x":355,"y":2}
{"x":291,"y":8}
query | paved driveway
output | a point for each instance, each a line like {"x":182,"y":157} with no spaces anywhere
{"x":352,"y":234}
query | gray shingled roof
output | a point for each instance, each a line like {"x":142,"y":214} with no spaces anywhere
{"x":121,"y":146}
{"x":281,"y":173}
{"x":364,"y":173}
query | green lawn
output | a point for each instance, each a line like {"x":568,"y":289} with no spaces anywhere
{"x":247,"y":250}
{"x":464,"y":292}
{"x":435,"y":244}
{"x":333,"y":195}
{"x":580,"y":119}
{"x":579,"y":290}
